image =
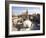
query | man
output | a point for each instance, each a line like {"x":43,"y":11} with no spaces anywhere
{"x":27,"y":24}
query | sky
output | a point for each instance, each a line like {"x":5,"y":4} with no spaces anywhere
{"x":20,"y":10}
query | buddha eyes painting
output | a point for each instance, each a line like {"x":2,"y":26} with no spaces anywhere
{"x":25,"y":19}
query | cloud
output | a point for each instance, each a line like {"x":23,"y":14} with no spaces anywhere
{"x":20,"y":10}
